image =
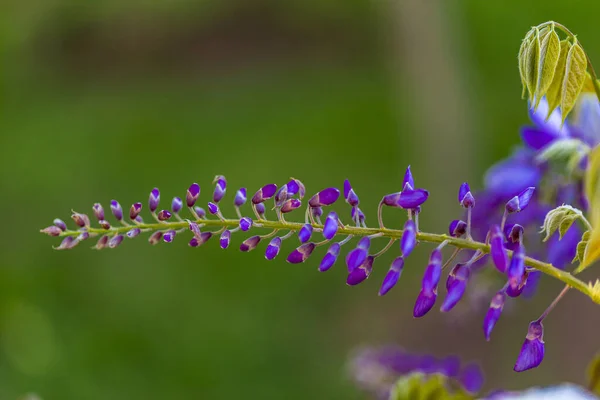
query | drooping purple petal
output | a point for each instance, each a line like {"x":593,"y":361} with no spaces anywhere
{"x":225,"y":239}
{"x":331,"y":225}
{"x":493,"y":314}
{"x":361,"y":273}
{"x":409,"y":238}
{"x":433,"y":272}
{"x":325,"y":197}
{"x":516,"y":269}
{"x":392,"y":276}
{"x":355,"y":258}
{"x":330,"y":258}
{"x":532,"y":351}
{"x":273,"y":248}
{"x":456,"y":289}
{"x":301,"y":254}
{"x":424,"y":303}
{"x":497,"y":251}
{"x":260,"y":209}
{"x":250,"y":243}
{"x":305,"y":233}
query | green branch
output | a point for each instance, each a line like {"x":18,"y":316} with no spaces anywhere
{"x":543,"y":267}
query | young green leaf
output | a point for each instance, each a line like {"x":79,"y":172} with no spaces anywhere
{"x":561,"y":218}
{"x":579,"y":254}
{"x":562,"y":149}
{"x":531,"y":63}
{"x":522,"y":58}
{"x":548,"y":60}
{"x":592,"y":192}
{"x":574,"y":78}
{"x":553,"y":95}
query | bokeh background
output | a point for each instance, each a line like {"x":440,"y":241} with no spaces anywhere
{"x":107,"y":99}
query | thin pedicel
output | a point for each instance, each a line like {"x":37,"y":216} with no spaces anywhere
{"x":509,"y":261}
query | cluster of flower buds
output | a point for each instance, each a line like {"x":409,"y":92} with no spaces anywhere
{"x":504,"y":242}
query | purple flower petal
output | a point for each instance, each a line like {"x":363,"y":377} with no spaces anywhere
{"x":264,"y":193}
{"x":164,"y":215}
{"x":325,"y":197}
{"x":425,"y":302}
{"x":356,"y":258}
{"x":520,"y":202}
{"x":433,"y":272}
{"x":52,"y":230}
{"x":213,"y":208}
{"x":176,"y":205}
{"x":192,"y":195}
{"x":220,"y":188}
{"x":250,"y":243}
{"x":361,"y":273}
{"x":537,"y":138}
{"x":169,"y":236}
{"x":493,"y":314}
{"x":532,"y":351}
{"x":457,"y":228}
{"x":240,"y":197}
{"x":349,"y":194}
{"x":290,"y":205}
{"x":305,"y":233}
{"x":115,"y":241}
{"x":135,"y":210}
{"x":260,"y":209}
{"x":154,"y":199}
{"x":561,"y":252}
{"x":225,"y":239}
{"x":98,"y":211}
{"x":409,"y":238}
{"x":245,"y":223}
{"x":457,"y":288}
{"x":392,"y":276}
{"x":301,"y":254}
{"x":516,"y":268}
{"x":60,"y":224}
{"x":497,"y":250}
{"x":273,"y":248}
{"x":101,"y":243}
{"x":408,"y":183}
{"x":330,"y":258}
{"x":465,"y":197}
{"x":410,"y":199}
{"x":133,"y":232}
{"x":331,"y":225}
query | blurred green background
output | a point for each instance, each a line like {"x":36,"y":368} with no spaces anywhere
{"x":108,"y":99}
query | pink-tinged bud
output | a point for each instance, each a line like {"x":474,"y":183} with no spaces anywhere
{"x":301,"y":254}
{"x":98,"y":211}
{"x":133,"y":233}
{"x":116,"y":209}
{"x":250,"y":243}
{"x":155,"y":238}
{"x":169,"y":236}
{"x":135,"y":210}
{"x":264,"y":193}
{"x":220,"y":188}
{"x":325,"y":197}
{"x":104,"y":224}
{"x":81,"y":220}
{"x":101,"y":243}
{"x":290,"y":205}
{"x":115,"y":241}
{"x":154,"y":199}
{"x":192,"y":194}
{"x":225,"y":239}
{"x":67,"y":243}
{"x":260,"y":209}
{"x":52,"y":230}
{"x":164,"y":215}
{"x":60,"y":224}
{"x":83,"y":236}
{"x":200,"y":240}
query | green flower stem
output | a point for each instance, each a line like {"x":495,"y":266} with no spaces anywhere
{"x":546,"y":268}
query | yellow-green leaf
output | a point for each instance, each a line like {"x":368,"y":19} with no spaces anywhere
{"x":592,"y":192}
{"x":574,"y":78}
{"x":522,"y":58}
{"x":554,"y":91}
{"x":531,"y":63}
{"x":593,"y":373}
{"x":588,"y":86}
{"x":561,"y":218}
{"x":549,"y":54}
{"x":579,"y":254}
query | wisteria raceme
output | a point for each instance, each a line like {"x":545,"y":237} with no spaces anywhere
{"x":505,"y":239}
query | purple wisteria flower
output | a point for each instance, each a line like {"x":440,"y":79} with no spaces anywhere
{"x":240,"y":197}
{"x":325,"y":197}
{"x":493,"y":314}
{"x":391,"y":278}
{"x":300,"y":254}
{"x":245,"y":223}
{"x":331,"y":225}
{"x":264,"y":193}
{"x":191,"y":196}
{"x":331,"y":257}
{"x":532,"y":351}
{"x":409,"y":238}
{"x":154,"y":199}
{"x":273,"y":248}
{"x":220,"y":188}
{"x":176,"y":205}
{"x":305,"y":233}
